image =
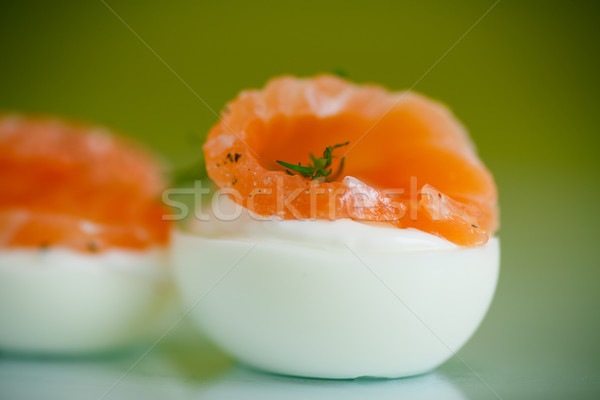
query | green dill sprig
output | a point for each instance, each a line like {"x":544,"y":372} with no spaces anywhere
{"x":320,"y":168}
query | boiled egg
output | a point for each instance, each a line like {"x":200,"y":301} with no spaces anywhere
{"x":333,"y":299}
{"x":82,"y":240}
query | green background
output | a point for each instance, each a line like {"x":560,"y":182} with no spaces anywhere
{"x":524,"y":80}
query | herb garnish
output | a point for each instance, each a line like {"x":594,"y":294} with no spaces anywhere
{"x":320,"y":168}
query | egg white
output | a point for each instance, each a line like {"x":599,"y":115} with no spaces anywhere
{"x":59,"y":301}
{"x":344,"y":310}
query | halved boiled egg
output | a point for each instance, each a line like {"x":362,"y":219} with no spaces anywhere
{"x":82,"y":242}
{"x":365,"y":246}
{"x":333,"y":299}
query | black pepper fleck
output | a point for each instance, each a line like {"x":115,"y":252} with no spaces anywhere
{"x":237,"y":157}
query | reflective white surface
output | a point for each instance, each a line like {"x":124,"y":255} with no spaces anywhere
{"x":162,"y":375}
{"x":184,"y":366}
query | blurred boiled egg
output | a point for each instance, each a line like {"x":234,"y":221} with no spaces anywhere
{"x":82,"y":241}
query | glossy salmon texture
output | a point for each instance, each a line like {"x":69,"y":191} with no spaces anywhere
{"x":409,"y":161}
{"x":77,"y":186}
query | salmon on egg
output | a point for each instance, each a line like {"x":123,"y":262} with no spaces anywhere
{"x":82,"y":240}
{"x":364,"y":241}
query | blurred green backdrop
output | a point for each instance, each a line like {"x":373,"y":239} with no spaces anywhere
{"x":524,"y":81}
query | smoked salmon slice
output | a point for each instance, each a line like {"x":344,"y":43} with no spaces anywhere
{"x":409,"y":162}
{"x":77,"y":186}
